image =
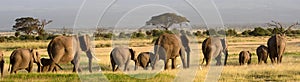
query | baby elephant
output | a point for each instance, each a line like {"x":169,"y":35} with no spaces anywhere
{"x":121,"y":57}
{"x":1,"y":62}
{"x":262,"y":54}
{"x":24,"y":59}
{"x":244,"y":57}
{"x":46,"y":64}
{"x":143,"y":60}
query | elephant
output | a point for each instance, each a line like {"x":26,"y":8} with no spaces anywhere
{"x":245,"y":57}
{"x":213,"y":47}
{"x":277,"y":42}
{"x":276,"y":48}
{"x":262,"y":54}
{"x":121,"y":56}
{"x":1,"y":62}
{"x":46,"y":64}
{"x":143,"y":60}
{"x":64,"y":49}
{"x":168,"y":46}
{"x":24,"y":59}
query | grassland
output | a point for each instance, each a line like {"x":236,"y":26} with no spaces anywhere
{"x":289,"y":70}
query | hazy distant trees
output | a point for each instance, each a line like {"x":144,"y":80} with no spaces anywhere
{"x":30,"y":25}
{"x":166,"y":20}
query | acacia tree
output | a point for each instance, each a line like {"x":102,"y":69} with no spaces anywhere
{"x":279,"y":27}
{"x":30,"y":25}
{"x":166,"y":20}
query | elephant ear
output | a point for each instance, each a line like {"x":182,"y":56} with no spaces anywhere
{"x":84,"y":42}
{"x":33,"y":54}
{"x":224,"y":44}
{"x":132,"y":53}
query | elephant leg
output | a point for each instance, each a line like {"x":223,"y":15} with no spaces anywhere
{"x":126,"y":64}
{"x":166,"y":64}
{"x":188,"y":59}
{"x":90,"y":56}
{"x":136,"y":65}
{"x":14,"y":68}
{"x":280,"y":59}
{"x":113,"y":64}
{"x":29,"y":69}
{"x":259,"y":59}
{"x":218,"y":58}
{"x":90,"y":65}
{"x":1,"y":68}
{"x":182,"y":56}
{"x":147,"y":65}
{"x":75,"y":62}
{"x":174,"y":63}
{"x":76,"y":65}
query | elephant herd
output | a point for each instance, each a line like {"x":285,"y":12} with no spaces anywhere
{"x":170,"y":46}
{"x":61,"y":49}
{"x":67,"y":49}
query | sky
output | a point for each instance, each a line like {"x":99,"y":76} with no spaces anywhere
{"x":134,"y":13}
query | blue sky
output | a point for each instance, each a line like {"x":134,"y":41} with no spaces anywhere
{"x":64,"y":12}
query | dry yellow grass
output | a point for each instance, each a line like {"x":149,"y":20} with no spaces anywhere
{"x":289,"y":70}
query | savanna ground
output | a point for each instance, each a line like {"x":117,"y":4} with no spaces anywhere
{"x":289,"y":70}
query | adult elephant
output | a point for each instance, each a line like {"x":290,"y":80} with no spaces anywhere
{"x":64,"y":49}
{"x":121,"y":56}
{"x":24,"y":59}
{"x":169,"y":46}
{"x":277,"y":42}
{"x":262,"y":54}
{"x":276,"y":47}
{"x":214,"y":47}
{"x":1,"y":62}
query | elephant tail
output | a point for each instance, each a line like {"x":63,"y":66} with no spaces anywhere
{"x":203,"y":61}
{"x":59,"y":66}
{"x":11,"y":59}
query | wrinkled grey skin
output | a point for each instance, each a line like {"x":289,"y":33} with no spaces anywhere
{"x":169,"y":46}
{"x":121,"y":56}
{"x":46,"y":64}
{"x":245,"y":57}
{"x":144,"y":59}
{"x":24,"y":59}
{"x":1,"y":62}
{"x":185,"y":42}
{"x":262,"y":54}
{"x":214,"y":47}
{"x":63,"y":49}
{"x":276,"y":47}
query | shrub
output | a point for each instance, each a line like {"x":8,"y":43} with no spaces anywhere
{"x":260,"y":32}
{"x":231,"y":32}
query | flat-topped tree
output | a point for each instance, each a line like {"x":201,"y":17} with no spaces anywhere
{"x":277,"y":42}
{"x":30,"y":25}
{"x":166,"y":20}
